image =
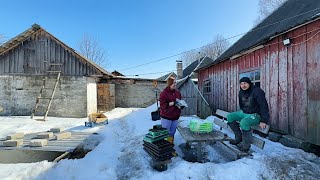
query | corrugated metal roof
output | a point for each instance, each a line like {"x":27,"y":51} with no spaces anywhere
{"x":291,"y":14}
{"x":19,"y":39}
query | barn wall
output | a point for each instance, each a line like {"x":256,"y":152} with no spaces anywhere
{"x":34,"y":56}
{"x":289,"y":77}
{"x":18,"y":96}
{"x":138,"y":94}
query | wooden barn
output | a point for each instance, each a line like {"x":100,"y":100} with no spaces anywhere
{"x":26,"y":60}
{"x":282,"y":56}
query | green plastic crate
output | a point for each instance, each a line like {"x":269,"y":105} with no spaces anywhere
{"x":200,"y":127}
{"x":158,"y":133}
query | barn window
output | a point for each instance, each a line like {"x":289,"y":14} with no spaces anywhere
{"x":207,"y":86}
{"x":253,"y":75}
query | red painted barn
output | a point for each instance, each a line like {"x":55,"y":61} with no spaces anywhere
{"x":282,"y":56}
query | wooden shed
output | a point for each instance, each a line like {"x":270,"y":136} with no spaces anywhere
{"x":282,"y":56}
{"x":197,"y":104}
{"x":24,"y":62}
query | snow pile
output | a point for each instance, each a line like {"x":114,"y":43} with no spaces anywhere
{"x":120,"y":156}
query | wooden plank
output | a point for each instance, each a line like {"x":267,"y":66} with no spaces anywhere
{"x":228,"y":76}
{"x":2,"y":64}
{"x":267,"y":76}
{"x":237,"y":85}
{"x":274,"y":80}
{"x":224,"y":114}
{"x":73,"y":68}
{"x":236,"y":151}
{"x":213,"y":136}
{"x":231,"y":103}
{"x":290,"y":90}
{"x":227,"y":79}
{"x":313,"y":85}
{"x":184,"y":133}
{"x":283,"y":89}
{"x":7,"y":63}
{"x":11,"y":62}
{"x":220,"y":85}
{"x":255,"y":140}
{"x":64,"y":145}
{"x":77,"y":73}
{"x":300,"y":85}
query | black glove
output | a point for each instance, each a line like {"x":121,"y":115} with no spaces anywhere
{"x":181,"y":107}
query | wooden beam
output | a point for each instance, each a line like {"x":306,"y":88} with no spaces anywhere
{"x":224,"y":114}
{"x":246,"y":52}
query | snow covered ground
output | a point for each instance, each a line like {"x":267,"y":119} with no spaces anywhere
{"x":120,"y":155}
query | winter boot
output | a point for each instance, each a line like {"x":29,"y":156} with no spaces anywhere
{"x":170,"y":139}
{"x":246,"y":143}
{"x":237,"y":132}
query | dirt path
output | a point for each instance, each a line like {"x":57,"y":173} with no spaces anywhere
{"x":130,"y":166}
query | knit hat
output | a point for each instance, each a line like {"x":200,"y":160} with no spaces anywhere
{"x":170,"y":81}
{"x":246,"y":79}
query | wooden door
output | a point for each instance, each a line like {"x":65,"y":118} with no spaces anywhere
{"x":106,"y":97}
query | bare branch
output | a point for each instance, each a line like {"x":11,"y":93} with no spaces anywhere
{"x":189,"y":57}
{"x":91,"y":49}
{"x":266,"y":7}
{"x":212,"y":50}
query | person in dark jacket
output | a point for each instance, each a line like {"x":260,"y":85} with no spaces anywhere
{"x":254,"y":111}
{"x":169,"y":112}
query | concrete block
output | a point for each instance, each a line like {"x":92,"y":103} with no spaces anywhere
{"x":38,"y":142}
{"x":15,"y":136}
{"x":293,"y":142}
{"x":13,"y":143}
{"x":56,"y":130}
{"x":275,"y":137}
{"x":46,"y":135}
{"x":63,"y":135}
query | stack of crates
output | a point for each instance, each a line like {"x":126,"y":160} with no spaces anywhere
{"x":160,"y":150}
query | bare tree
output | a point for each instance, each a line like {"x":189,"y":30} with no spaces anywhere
{"x":212,"y":50}
{"x":92,"y":49}
{"x":189,"y":57}
{"x":216,"y":48}
{"x":266,"y":7}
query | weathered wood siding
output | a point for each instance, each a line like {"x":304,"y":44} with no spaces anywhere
{"x":34,"y":56}
{"x":189,"y":93}
{"x":197,"y":104}
{"x":290,"y":77}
